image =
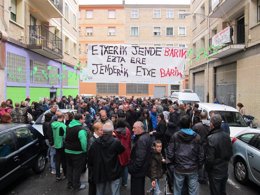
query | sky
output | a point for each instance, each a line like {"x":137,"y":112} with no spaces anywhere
{"x":91,"y":2}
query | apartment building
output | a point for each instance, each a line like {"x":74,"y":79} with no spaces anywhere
{"x":39,"y":48}
{"x":139,"y":24}
{"x":225,"y":55}
{"x":100,"y":24}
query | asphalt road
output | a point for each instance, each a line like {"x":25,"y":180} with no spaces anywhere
{"x":45,"y":184}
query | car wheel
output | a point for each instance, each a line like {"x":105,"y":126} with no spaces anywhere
{"x":39,"y":164}
{"x":240,"y":171}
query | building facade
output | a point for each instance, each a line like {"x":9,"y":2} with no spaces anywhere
{"x":39,"y":49}
{"x":145,"y":25}
{"x":225,"y":52}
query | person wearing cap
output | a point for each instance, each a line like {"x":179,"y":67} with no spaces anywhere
{"x":103,"y":158}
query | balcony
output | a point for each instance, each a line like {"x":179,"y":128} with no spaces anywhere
{"x":226,"y":50}
{"x":47,"y":9}
{"x":45,"y":42}
{"x":219,"y":8}
{"x":222,"y":43}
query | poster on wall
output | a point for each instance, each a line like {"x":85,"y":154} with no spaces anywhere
{"x":120,"y":63}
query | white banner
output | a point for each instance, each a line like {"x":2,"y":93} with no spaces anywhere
{"x":134,"y":64}
{"x":222,"y":37}
{"x":214,"y":4}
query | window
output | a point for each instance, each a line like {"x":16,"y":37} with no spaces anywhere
{"x":182,"y":14}
{"x":169,"y":13}
{"x":111,"y":14}
{"x":110,"y":88}
{"x":13,"y":11}
{"x":89,"y":31}
{"x":24,"y":137}
{"x":6,"y":144}
{"x":258,"y":10}
{"x":111,"y":31}
{"x":53,"y":75}
{"x":74,"y":20}
{"x":182,"y":45}
{"x":66,"y":12}
{"x":246,"y":137}
{"x":256,"y":142}
{"x":89,"y":14}
{"x":157,"y":13}
{"x":169,"y":31}
{"x":134,"y":31}
{"x":132,"y":88}
{"x":157,"y":31}
{"x":16,"y":68}
{"x":134,"y":13}
{"x":66,"y":45}
{"x":182,"y":31}
{"x":39,"y":72}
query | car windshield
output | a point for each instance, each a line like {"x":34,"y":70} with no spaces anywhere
{"x":234,"y":119}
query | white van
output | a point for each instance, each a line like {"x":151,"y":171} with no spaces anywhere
{"x":185,"y":97}
{"x":231,"y":116}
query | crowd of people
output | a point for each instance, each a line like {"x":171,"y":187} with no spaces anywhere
{"x":112,"y":137}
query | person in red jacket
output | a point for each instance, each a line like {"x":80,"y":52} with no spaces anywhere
{"x":124,"y":135}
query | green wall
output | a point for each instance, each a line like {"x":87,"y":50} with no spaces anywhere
{"x":72,"y":92}
{"x":37,"y":93}
{"x":17,"y":94}
{"x":73,"y":79}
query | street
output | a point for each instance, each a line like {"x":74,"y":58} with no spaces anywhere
{"x":44,"y":184}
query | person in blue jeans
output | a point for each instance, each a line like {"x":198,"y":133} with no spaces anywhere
{"x":187,"y":155}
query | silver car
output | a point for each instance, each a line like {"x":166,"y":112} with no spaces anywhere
{"x":246,"y":156}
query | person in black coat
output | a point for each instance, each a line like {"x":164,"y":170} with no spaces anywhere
{"x":103,"y":158}
{"x":160,"y":130}
{"x":218,"y":153}
{"x":173,"y":123}
{"x":140,"y":159}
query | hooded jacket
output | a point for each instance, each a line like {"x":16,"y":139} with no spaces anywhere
{"x":58,"y":132}
{"x":103,"y":158}
{"x":185,"y":151}
{"x":73,"y":137}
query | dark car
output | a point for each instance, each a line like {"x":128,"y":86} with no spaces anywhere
{"x":21,"y":147}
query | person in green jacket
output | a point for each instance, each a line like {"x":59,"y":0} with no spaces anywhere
{"x":75,"y":149}
{"x":59,"y":131}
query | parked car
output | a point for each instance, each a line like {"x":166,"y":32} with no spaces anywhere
{"x":21,"y":147}
{"x":229,"y":114}
{"x":246,"y":156}
{"x":39,"y":121}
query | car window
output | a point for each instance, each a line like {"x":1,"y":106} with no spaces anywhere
{"x":24,"y":136}
{"x":234,"y":119}
{"x":256,"y":142}
{"x":6,"y":144}
{"x":246,"y":137}
{"x":39,"y":119}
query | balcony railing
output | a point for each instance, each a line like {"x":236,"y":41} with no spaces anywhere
{"x":43,"y":41}
{"x":58,"y":4}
